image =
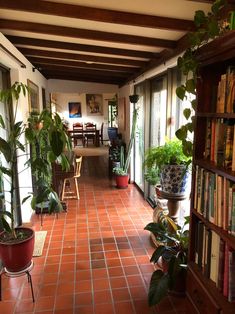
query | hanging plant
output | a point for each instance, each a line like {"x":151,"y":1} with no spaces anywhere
{"x":207,"y":28}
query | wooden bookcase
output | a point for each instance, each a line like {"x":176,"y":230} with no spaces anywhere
{"x":202,"y":292}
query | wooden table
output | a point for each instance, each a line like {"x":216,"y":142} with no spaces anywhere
{"x":73,"y":133}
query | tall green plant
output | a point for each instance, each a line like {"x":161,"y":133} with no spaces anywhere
{"x":54,"y":141}
{"x":208,"y":26}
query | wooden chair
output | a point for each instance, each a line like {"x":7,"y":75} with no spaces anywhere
{"x":92,"y":133}
{"x":66,"y":194}
{"x":76,"y":135}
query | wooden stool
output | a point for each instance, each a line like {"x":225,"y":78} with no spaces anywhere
{"x":67,"y":181}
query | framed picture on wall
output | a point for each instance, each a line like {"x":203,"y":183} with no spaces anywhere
{"x":75,"y":110}
{"x":33,"y":95}
{"x":94,"y":104}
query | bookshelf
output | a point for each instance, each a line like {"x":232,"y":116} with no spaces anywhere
{"x":211,"y":275}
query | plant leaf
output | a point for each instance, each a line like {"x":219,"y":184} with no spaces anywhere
{"x":56,"y":142}
{"x":158,"y":287}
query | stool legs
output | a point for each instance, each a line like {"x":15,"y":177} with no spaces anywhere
{"x":31,"y":284}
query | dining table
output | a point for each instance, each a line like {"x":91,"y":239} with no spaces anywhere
{"x":75,"y":133}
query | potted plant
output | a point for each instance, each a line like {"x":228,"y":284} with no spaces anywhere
{"x":167,"y":165}
{"x":121,"y":171}
{"x":171,"y":256}
{"x":17,"y":243}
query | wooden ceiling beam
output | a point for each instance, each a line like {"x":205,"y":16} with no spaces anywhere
{"x":87,"y":72}
{"x":85,"y":34}
{"x":80,"y":57}
{"x":96,"y":14}
{"x":37,"y":61}
{"x":17,"y":40}
{"x":61,"y":75}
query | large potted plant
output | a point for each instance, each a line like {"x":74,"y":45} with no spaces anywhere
{"x":167,"y":165}
{"x":17,"y":243}
{"x":121,"y":171}
{"x":170,"y":257}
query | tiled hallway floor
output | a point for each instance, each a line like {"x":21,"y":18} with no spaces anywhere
{"x":96,"y":256}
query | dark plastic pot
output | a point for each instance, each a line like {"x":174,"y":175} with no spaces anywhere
{"x":122,"y":181}
{"x":112,"y":133}
{"x":17,"y":256}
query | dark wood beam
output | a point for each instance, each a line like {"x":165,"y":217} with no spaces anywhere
{"x":38,"y":62}
{"x":65,"y":76}
{"x":88,"y":72}
{"x":79,"y":47}
{"x":85,"y":33}
{"x":75,"y":56}
{"x":96,"y":14}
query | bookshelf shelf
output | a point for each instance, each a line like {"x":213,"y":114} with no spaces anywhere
{"x":211,"y":280}
{"x":206,"y":164}
{"x":230,"y":239}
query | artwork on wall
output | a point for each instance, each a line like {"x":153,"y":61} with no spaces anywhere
{"x":75,"y":110}
{"x":33,"y":95}
{"x":94,"y":104}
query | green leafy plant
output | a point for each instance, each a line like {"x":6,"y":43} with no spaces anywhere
{"x":171,"y":254}
{"x":125,"y":157}
{"x":171,"y":153}
{"x":47,"y":138}
{"x":207,"y":27}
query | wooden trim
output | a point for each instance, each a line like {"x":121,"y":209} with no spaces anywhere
{"x":97,"y":14}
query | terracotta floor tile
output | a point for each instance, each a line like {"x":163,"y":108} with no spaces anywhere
{"x":102,"y":296}
{"x":83,"y":299}
{"x":100,"y":284}
{"x":124,"y":307}
{"x":106,"y":308}
{"x":45,"y":303}
{"x":121,"y":294}
{"x":96,"y":257}
{"x":83,"y":286}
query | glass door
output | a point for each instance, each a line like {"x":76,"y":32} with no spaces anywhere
{"x":158,"y":117}
{"x":139,"y":139}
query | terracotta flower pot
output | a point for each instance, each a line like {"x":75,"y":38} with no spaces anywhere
{"x":17,"y":255}
{"x":122,"y":181}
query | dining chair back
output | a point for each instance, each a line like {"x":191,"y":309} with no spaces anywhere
{"x":91,"y":134}
{"x":78,"y":134}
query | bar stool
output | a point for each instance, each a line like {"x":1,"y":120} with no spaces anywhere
{"x":25,"y":271}
{"x":67,"y":182}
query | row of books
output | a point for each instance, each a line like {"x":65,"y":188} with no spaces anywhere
{"x":225,"y":100}
{"x":216,"y":260}
{"x":220,"y":141}
{"x":214,"y":198}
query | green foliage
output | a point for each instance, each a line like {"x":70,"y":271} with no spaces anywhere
{"x":171,"y":153}
{"x":208,"y":27}
{"x":46,"y":135}
{"x":172,"y":253}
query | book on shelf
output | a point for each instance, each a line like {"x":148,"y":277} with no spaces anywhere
{"x":230,"y":90}
{"x":215,"y":246}
{"x":220,"y":282}
{"x":199,"y":244}
{"x":228,"y":155}
{"x":231,"y":276}
{"x":226,"y":274}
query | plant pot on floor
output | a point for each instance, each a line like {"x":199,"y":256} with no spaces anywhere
{"x":122,"y":181}
{"x":17,"y":254}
